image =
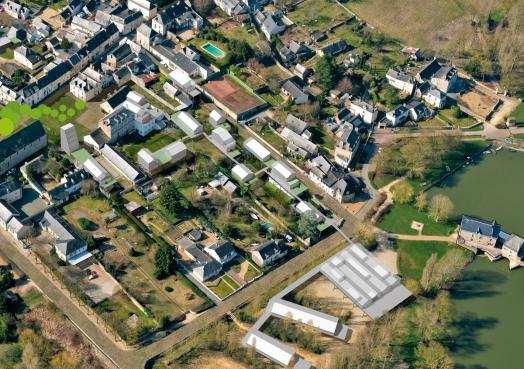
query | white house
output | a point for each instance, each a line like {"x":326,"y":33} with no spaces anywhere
{"x":147,"y":9}
{"x":189,"y":125}
{"x":222,"y":138}
{"x":398,"y":115}
{"x":257,"y":149}
{"x":366,"y":111}
{"x":222,"y":251}
{"x":163,"y":158}
{"x":27,"y":57}
{"x":89,"y":83}
{"x":268,"y":252}
{"x":242,"y":173}
{"x":400,"y":80}
{"x":435,"y":98}
{"x":16,"y":10}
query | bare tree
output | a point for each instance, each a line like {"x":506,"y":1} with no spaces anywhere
{"x":440,"y":207}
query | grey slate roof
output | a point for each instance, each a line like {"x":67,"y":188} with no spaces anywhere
{"x":514,"y":243}
{"x":295,"y":124}
{"x":67,"y":240}
{"x":270,"y":248}
{"x":475,"y":225}
{"x":21,"y":138}
{"x":223,"y":248}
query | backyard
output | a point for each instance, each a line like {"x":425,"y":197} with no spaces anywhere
{"x":154,"y":141}
{"x":412,"y":256}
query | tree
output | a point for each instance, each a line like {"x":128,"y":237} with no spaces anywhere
{"x":307,"y":226}
{"x":171,"y":199}
{"x":6,"y":278}
{"x":64,"y":360}
{"x":65,"y":44}
{"x":264,"y":52}
{"x":86,"y":224}
{"x":328,"y":72}
{"x":427,"y":273}
{"x":433,"y":356}
{"x":165,"y":262}
{"x":310,"y":110}
{"x":20,"y":77}
{"x":403,"y":192}
{"x":254,"y":65}
{"x":4,"y":330}
{"x":240,"y":51}
{"x":89,"y":188}
{"x":421,"y":201}
{"x":273,"y":83}
{"x":345,"y":85}
{"x":366,"y":236}
{"x":204,"y":7}
{"x":455,"y":111}
{"x":440,"y":207}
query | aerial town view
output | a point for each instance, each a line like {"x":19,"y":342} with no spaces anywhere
{"x":257,"y":184}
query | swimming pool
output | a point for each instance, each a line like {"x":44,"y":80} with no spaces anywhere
{"x":213,"y":50}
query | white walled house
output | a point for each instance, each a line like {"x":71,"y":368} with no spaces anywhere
{"x":147,"y":9}
{"x":366,"y":111}
{"x":257,"y":149}
{"x":400,"y":80}
{"x":27,"y":57}
{"x":89,"y":83}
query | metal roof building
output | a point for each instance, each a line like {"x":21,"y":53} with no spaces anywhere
{"x":257,"y":149}
{"x":189,"y":125}
{"x":242,"y":173}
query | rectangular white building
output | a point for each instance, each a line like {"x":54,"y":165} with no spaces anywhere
{"x":189,"y":125}
{"x":257,"y":149}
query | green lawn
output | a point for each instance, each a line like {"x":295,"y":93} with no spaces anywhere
{"x":153,"y":142}
{"x":412,"y":256}
{"x":8,"y":54}
{"x":519,"y":136}
{"x":518,"y":114}
{"x":245,"y":33}
{"x":399,"y":219}
{"x":463,"y":121}
{"x":150,"y":99}
{"x":231,"y":281}
{"x":381,"y":180}
{"x":317,"y":14}
{"x":222,"y":289}
{"x":273,"y":139}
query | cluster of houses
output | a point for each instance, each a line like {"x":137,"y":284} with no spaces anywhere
{"x":429,"y":86}
{"x":487,"y":236}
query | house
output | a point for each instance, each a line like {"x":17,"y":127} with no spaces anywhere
{"x":21,"y":145}
{"x":443,"y":77}
{"x":366,"y":111}
{"x":476,"y":232}
{"x":27,"y":57}
{"x":257,"y":149}
{"x":297,"y":125}
{"x":124,"y":19}
{"x":69,"y":246}
{"x":189,"y":125}
{"x":302,"y":72}
{"x":434,"y":97}
{"x":398,"y":115}
{"x":513,"y":247}
{"x":119,"y":56}
{"x":418,"y":111}
{"x":133,"y":114}
{"x":270,"y":23}
{"x":178,"y":16}
{"x":413,"y":53}
{"x":89,"y":83}
{"x":242,"y":173}
{"x":145,"y":7}
{"x":86,"y":26}
{"x":85,"y":161}
{"x":333,"y":48}
{"x":317,"y":36}
{"x":222,"y":251}
{"x":146,"y":37}
{"x":177,"y":60}
{"x":121,"y":164}
{"x":400,"y":80}
{"x":292,"y":89}
{"x":7,"y":212}
{"x":269,"y":252}
{"x":347,"y":144}
{"x":339,"y":185}
{"x":16,"y":10}
{"x":203,"y":267}
{"x":20,"y":228}
{"x":283,"y":178}
{"x":70,"y":184}
{"x":232,"y":7}
{"x":115,"y":100}
{"x":223,"y":139}
{"x":298,"y":145}
{"x":216,"y":118}
{"x":295,"y":51}
{"x":11,"y":190}
{"x":163,"y":158}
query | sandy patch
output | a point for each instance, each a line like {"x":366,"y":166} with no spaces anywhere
{"x":216,"y":361}
{"x":388,"y":258}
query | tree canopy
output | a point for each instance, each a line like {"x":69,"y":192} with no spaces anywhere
{"x":328,"y":72}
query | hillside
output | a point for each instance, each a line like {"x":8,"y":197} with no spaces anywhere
{"x":483,"y":36}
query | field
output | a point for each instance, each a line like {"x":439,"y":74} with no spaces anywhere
{"x":519,"y":114}
{"x":399,"y":219}
{"x":317,"y":15}
{"x":412,"y":256}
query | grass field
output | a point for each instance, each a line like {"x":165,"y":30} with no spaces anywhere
{"x":317,"y":14}
{"x":399,"y":220}
{"x":519,"y":114}
{"x":153,"y":142}
{"x":412,"y":256}
{"x":222,"y":289}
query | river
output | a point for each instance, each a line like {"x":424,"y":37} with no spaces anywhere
{"x":489,"y":305}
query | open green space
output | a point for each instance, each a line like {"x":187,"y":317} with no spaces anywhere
{"x":518,"y":114}
{"x":463,"y":121}
{"x":317,"y":14}
{"x":8,"y":53}
{"x":412,"y":256}
{"x":153,"y":142}
{"x":491,"y":188}
{"x":400,"y":217}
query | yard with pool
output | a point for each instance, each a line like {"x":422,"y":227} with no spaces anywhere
{"x":490,"y":189}
{"x":213,"y":50}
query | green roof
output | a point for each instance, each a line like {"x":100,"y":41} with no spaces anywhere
{"x":81,"y":156}
{"x":299,"y":190}
{"x":162,"y":156}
